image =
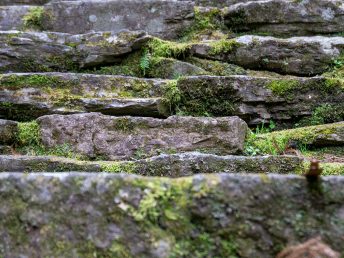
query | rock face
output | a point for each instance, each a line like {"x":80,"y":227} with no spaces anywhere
{"x":257,"y":99}
{"x":165,"y":165}
{"x":11,"y":17}
{"x":31,"y":95}
{"x":188,"y":164}
{"x":8,"y":130}
{"x":94,"y":134}
{"x":49,"y":51}
{"x":285,"y":17}
{"x":166,"y":19}
{"x":26,"y":2}
{"x":129,"y":216}
{"x":303,"y":56}
{"x":311,"y":249}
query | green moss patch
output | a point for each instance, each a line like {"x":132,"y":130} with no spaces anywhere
{"x":276,"y":142}
{"x":34,"y":18}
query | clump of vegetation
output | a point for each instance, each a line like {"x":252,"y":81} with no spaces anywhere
{"x":324,"y":114}
{"x":119,"y":167}
{"x":163,"y":48}
{"x":34,"y":18}
{"x":223,"y":46}
{"x":206,"y":21}
{"x":275,"y":143}
{"x":172,"y":95}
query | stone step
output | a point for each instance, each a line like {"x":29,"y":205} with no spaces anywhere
{"x":165,"y":19}
{"x":94,"y":135}
{"x":219,"y":215}
{"x":285,"y":100}
{"x":23,"y":2}
{"x":25,"y":97}
{"x":286,"y":17}
{"x":303,"y":56}
{"x":167,"y":165}
{"x":49,"y":51}
{"x":116,"y":138}
{"x":170,"y":19}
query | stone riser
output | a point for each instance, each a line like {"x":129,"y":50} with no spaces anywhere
{"x":102,"y":214}
{"x":28,"y":96}
{"x":173,"y":165}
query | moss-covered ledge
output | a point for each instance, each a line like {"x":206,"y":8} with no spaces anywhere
{"x":130,"y":216}
{"x":316,"y":136}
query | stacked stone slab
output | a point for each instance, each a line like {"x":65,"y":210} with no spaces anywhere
{"x":205,"y":70}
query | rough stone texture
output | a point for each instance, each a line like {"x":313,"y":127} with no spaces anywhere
{"x":313,"y":248}
{"x":287,"y":17}
{"x":94,"y":134}
{"x":11,"y":17}
{"x":24,"y":2}
{"x":222,"y":215}
{"x":168,"y":165}
{"x":168,"y":68}
{"x":31,"y":95}
{"x":9,"y":163}
{"x":188,"y":164}
{"x":49,"y":51}
{"x":8,"y":130}
{"x":166,"y":19}
{"x":252,"y":100}
{"x":298,"y":55}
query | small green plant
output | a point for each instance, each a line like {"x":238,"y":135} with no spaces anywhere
{"x":145,"y":62}
{"x":34,"y":18}
{"x":172,"y":95}
{"x":29,"y":134}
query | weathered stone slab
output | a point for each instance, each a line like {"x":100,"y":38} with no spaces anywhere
{"x":11,"y":17}
{"x":27,"y":96}
{"x":115,"y":138}
{"x":258,"y":99}
{"x":165,"y":19}
{"x":286,"y":17}
{"x":23,"y":2}
{"x":167,"y":165}
{"x":44,"y":163}
{"x":298,"y":55}
{"x":8,"y":131}
{"x":49,"y":51}
{"x":112,"y":215}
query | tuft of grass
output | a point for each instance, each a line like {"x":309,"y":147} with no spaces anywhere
{"x":34,"y":18}
{"x":223,"y":46}
{"x":163,"y":48}
{"x":172,"y":95}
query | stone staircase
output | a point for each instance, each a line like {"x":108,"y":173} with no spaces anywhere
{"x":170,"y":128}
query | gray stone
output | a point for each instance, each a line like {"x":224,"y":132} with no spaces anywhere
{"x":286,"y":17}
{"x":97,"y":214}
{"x":28,"y":96}
{"x":49,"y":51}
{"x":11,"y":17}
{"x":165,"y":19}
{"x":116,"y":138}
{"x":19,"y":163}
{"x":298,"y":55}
{"x":23,"y":2}
{"x":254,"y":98}
{"x":166,"y":165}
{"x":8,"y":131}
